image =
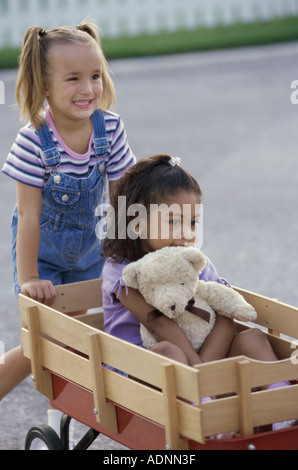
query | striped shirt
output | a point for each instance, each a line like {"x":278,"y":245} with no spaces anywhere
{"x":25,"y":161}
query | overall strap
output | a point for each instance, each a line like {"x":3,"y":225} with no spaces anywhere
{"x":100,"y":142}
{"x":49,"y":149}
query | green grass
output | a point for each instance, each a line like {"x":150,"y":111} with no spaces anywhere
{"x":238,"y":35}
{"x":8,"y":58}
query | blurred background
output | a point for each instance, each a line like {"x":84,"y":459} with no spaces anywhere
{"x":209,"y":81}
{"x":160,"y":26}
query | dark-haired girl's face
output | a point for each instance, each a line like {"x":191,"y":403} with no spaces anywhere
{"x":172,"y":223}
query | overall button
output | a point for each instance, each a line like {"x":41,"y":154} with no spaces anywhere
{"x":57,"y":179}
{"x":65,"y":197}
{"x":101,"y":167}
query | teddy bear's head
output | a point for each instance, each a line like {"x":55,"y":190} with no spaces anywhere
{"x":166,"y":278}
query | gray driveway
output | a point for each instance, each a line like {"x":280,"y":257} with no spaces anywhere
{"x":229,"y":116}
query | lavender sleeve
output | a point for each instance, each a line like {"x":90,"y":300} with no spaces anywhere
{"x":209,"y":273}
{"x":118,"y":321}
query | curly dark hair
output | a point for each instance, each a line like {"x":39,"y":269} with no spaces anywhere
{"x":150,"y":181}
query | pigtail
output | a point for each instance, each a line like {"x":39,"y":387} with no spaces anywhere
{"x":90,"y":28}
{"x":109,"y":95}
{"x":30,"y":81}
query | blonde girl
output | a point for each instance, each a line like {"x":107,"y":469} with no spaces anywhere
{"x":64,"y":161}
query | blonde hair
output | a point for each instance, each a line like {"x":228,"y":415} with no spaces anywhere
{"x":33,"y":67}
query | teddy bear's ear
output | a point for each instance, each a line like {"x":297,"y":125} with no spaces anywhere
{"x":129,"y":275}
{"x":196,"y":257}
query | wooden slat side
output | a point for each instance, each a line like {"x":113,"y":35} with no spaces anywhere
{"x":272,"y":314}
{"x":276,"y":405}
{"x":105,"y":411}
{"x":283,"y":347}
{"x":115,"y":352}
{"x":220,"y":415}
{"x":219,"y":377}
{"x":173,"y":440}
{"x":149,"y":402}
{"x":41,"y":378}
{"x":244,"y":397}
{"x":133,"y":395}
{"x":75,"y":296}
{"x":58,"y":326}
{"x":49,"y":327}
{"x":130,"y":359}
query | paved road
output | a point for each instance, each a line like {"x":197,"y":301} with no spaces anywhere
{"x":229,"y":116}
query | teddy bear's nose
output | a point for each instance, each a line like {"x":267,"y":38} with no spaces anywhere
{"x":173,"y":308}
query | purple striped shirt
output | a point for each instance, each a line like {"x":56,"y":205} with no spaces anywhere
{"x":25,"y":162}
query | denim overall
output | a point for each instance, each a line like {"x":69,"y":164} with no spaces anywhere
{"x":69,"y":250}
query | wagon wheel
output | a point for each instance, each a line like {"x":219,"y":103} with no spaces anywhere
{"x":44,"y":437}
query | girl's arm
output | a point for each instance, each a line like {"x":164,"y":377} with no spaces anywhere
{"x":162,"y":328}
{"x":29,"y":209}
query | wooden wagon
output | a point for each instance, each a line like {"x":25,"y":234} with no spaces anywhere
{"x":158,"y":405}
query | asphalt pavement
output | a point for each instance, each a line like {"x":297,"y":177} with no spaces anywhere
{"x":229,"y":116}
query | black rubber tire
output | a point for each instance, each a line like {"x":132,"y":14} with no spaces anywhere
{"x":45,"y":434}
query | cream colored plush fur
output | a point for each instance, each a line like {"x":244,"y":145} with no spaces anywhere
{"x":168,"y":280}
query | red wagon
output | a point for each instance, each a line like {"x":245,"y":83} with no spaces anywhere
{"x":158,"y":405}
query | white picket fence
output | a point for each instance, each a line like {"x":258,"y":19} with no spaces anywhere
{"x":133,"y":17}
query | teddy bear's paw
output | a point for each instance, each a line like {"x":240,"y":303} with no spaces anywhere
{"x":246,"y":314}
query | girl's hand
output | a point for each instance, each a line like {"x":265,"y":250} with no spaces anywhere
{"x":41,"y":290}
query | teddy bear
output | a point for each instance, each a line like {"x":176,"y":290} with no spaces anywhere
{"x":168,"y":279}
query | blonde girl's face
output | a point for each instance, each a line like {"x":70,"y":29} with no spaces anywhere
{"x":74,"y":85}
{"x":173,"y":223}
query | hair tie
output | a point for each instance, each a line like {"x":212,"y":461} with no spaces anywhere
{"x":174,"y":161}
{"x":41,"y":33}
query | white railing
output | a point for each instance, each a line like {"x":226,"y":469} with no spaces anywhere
{"x":133,"y":17}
